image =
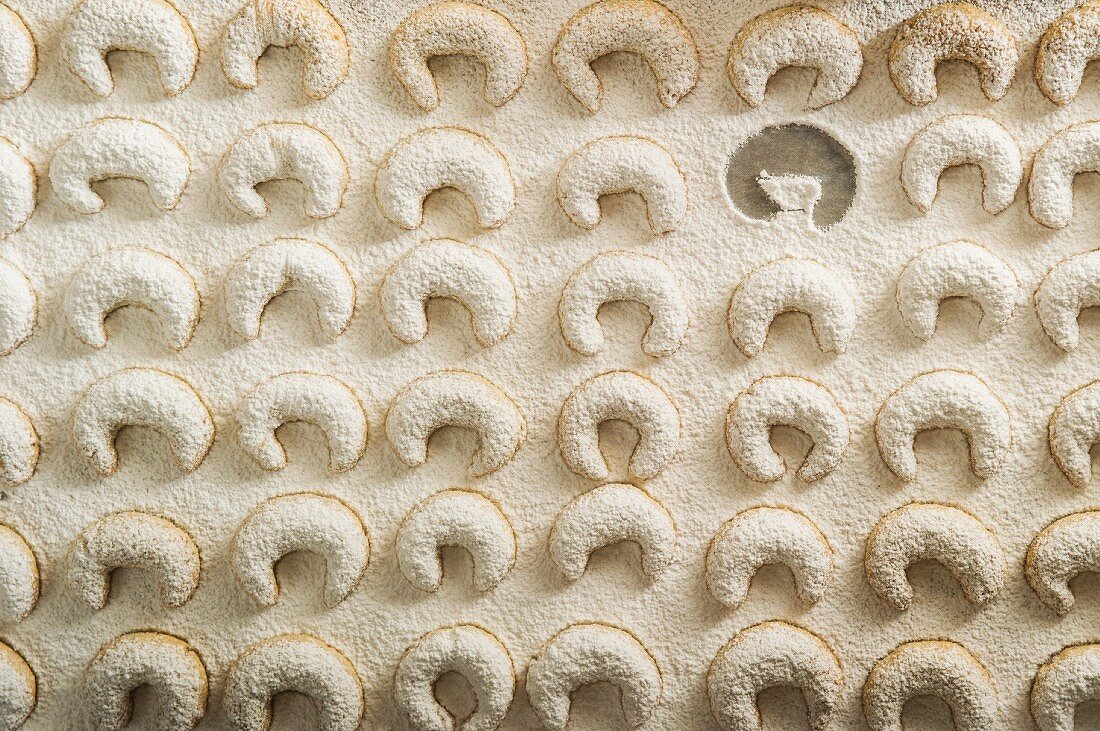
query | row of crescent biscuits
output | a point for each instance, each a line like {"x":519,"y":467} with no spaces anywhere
{"x":451,"y":157}
{"x":796,"y":35}
{"x":606,"y":515}
{"x":426,"y":161}
{"x":763,"y":656}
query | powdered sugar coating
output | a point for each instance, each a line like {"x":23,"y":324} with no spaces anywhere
{"x":301,"y":522}
{"x":785,"y":401}
{"x":445,"y":268}
{"x":18,"y":55}
{"x":616,"y":276}
{"x":94,"y":28}
{"x":644,"y":27}
{"x":474,"y":653}
{"x":299,"y":663}
{"x":1066,"y":48}
{"x":612,"y":514}
{"x":461,"y":518}
{"x":286,"y":265}
{"x":1067,"y":547}
{"x":306,"y":24}
{"x":943,"y":533}
{"x":762,"y":536}
{"x":455,"y":398}
{"x":458,"y":28}
{"x":18,"y":444}
{"x":18,"y":181}
{"x":18,"y":689}
{"x":797,"y":35}
{"x":444,"y":157}
{"x":937,"y":668}
{"x":956,"y":269}
{"x":142,"y":397}
{"x":1074,"y":429}
{"x":114,"y":147}
{"x":624,"y":396}
{"x":19,"y":580}
{"x":944,"y":399}
{"x":135,"y":540}
{"x":963,"y":139}
{"x":1070,"y":286}
{"x":130,"y":661}
{"x":322,"y":401}
{"x":1068,"y":152}
{"x":131,"y":276}
{"x":952,"y":31}
{"x":791,"y":285}
{"x":1071,"y":677}
{"x":623,"y":164}
{"x":586,"y":653}
{"x":280,"y":151}
{"x":768,"y":655}
{"x":18,"y":308}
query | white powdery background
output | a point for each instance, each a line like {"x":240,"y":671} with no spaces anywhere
{"x":675,"y":617}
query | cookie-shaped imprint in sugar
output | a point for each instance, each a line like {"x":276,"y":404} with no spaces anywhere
{"x":18,"y":444}
{"x":468,"y":650}
{"x":131,"y":276}
{"x":764,"y":536}
{"x":956,"y":269}
{"x":770,"y":655}
{"x":791,"y":285}
{"x":623,"y":396}
{"x":94,"y":28}
{"x":18,"y":52}
{"x":285,"y":265}
{"x":643,"y":27}
{"x":933,"y":531}
{"x":948,"y":32}
{"x":587,"y":653}
{"x":459,"y":518}
{"x":962,"y":139}
{"x":623,"y":164}
{"x":790,"y":401}
{"x":1066,"y":48}
{"x":463,"y":29}
{"x":143,"y":397}
{"x":306,"y":24}
{"x":18,"y":689}
{"x":1071,"y":677}
{"x":19,"y":580}
{"x":444,"y":157}
{"x":944,"y":399}
{"x":1074,"y":429}
{"x":165,"y":663}
{"x":940,"y":668}
{"x":285,"y":151}
{"x":302,"y":522}
{"x":797,"y":35}
{"x":18,"y":308}
{"x":456,"y":398}
{"x":612,"y":514}
{"x":298,"y":663}
{"x":1072,"y":285}
{"x":448,"y":269}
{"x":1067,"y":547}
{"x":18,"y":181}
{"x":114,"y":147}
{"x":619,"y":276}
{"x":322,"y":401}
{"x":134,"y":540}
{"x":1068,"y":152}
